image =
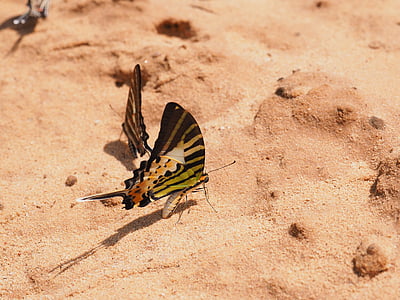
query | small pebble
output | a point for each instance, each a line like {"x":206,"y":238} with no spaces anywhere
{"x":71,"y":180}
{"x":284,"y":93}
{"x":376,"y":123}
{"x":290,"y":92}
{"x":298,"y":231}
{"x":321,"y":4}
{"x":370,"y":261}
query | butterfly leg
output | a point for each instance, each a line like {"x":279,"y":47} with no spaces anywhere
{"x":44,"y":8}
{"x":22,"y":19}
{"x":206,"y":195}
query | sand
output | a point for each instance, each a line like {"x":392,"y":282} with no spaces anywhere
{"x":304,"y":95}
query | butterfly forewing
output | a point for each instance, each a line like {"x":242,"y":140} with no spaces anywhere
{"x":180,"y":144}
{"x":133,"y":126}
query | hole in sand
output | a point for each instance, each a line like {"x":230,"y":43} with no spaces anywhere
{"x":178,"y":28}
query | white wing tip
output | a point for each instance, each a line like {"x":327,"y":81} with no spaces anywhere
{"x":85,"y":199}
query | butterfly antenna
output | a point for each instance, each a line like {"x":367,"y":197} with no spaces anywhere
{"x":119,"y":116}
{"x":228,"y":165}
{"x":204,"y":188}
{"x":117,"y":113}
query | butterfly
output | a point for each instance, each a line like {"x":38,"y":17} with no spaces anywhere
{"x":175,"y":166}
{"x":133,"y":125}
{"x":135,"y":129}
{"x":36,"y":9}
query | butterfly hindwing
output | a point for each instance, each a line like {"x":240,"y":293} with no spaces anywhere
{"x":133,"y":125}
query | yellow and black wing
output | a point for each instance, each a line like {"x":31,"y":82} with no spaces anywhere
{"x":133,"y":126}
{"x":179,"y":152}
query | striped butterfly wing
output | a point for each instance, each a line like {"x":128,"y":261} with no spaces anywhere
{"x":180,"y":149}
{"x":133,"y":126}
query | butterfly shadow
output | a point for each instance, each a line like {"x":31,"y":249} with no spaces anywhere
{"x":137,"y":224}
{"x":121,"y":152}
{"x":21,"y":29}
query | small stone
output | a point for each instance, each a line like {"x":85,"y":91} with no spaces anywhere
{"x":284,"y":93}
{"x":274,"y":194}
{"x":321,"y":4}
{"x":290,"y":92}
{"x":71,"y":180}
{"x":370,"y":261}
{"x":373,"y":249}
{"x":298,"y":231}
{"x":376,"y":123}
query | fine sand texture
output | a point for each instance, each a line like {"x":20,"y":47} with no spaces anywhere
{"x":303,"y":95}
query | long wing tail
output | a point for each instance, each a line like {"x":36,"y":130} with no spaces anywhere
{"x":121,"y":193}
{"x":132,"y":197}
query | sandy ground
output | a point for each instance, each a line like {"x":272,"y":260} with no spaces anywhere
{"x":304,"y":95}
